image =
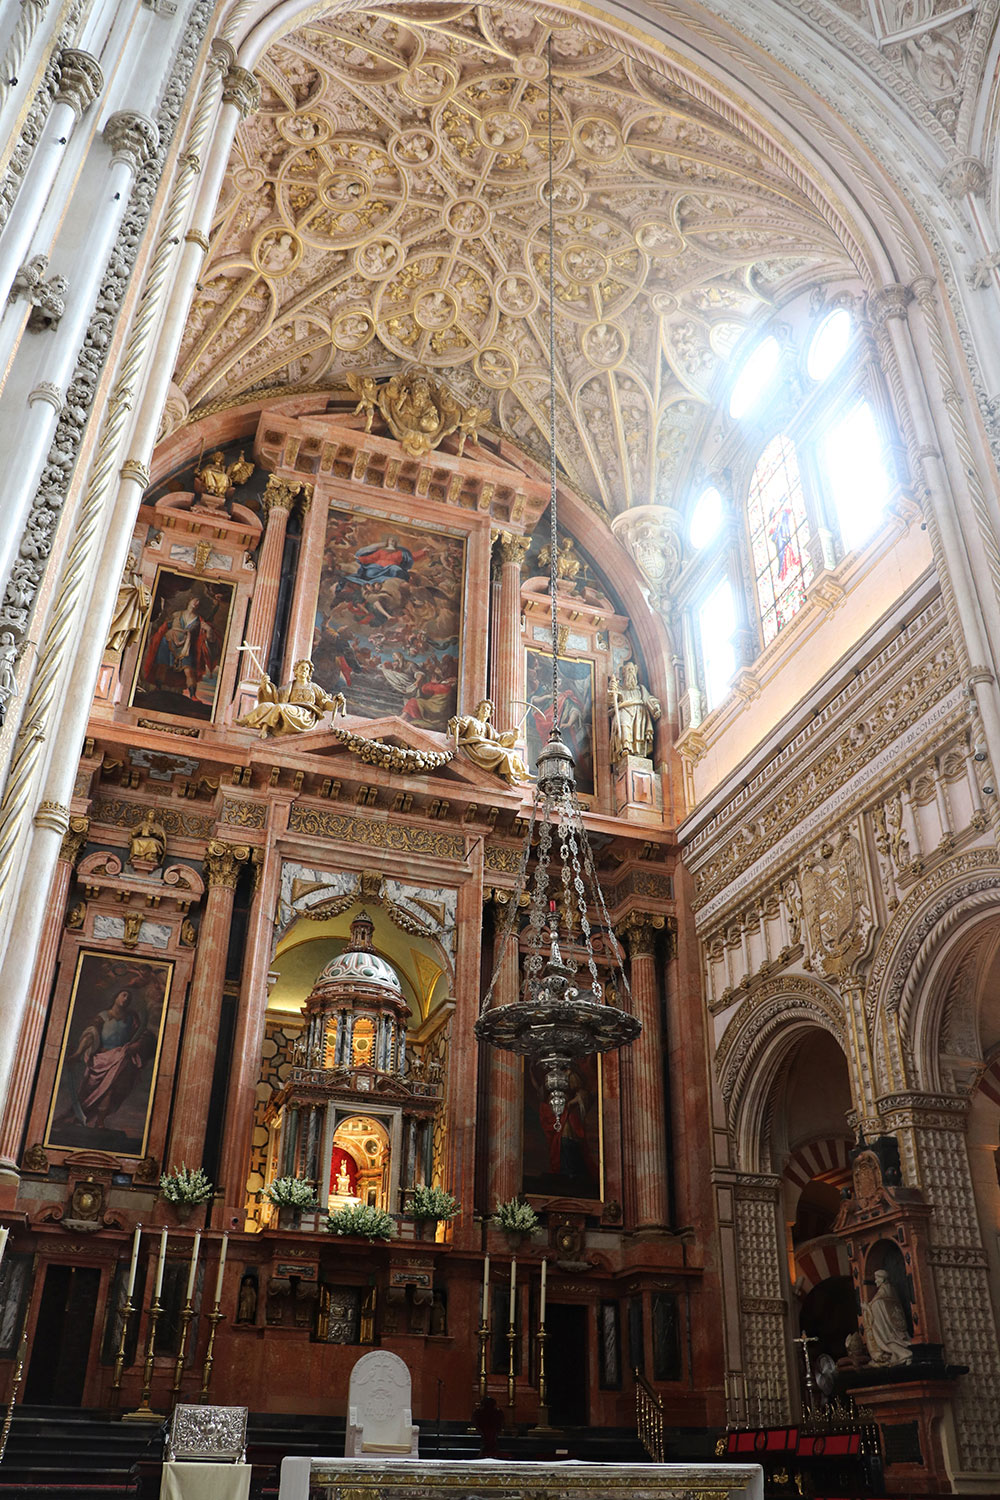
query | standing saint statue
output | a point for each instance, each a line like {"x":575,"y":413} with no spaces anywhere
{"x":292,"y":709}
{"x":487,"y":747}
{"x":886,"y":1333}
{"x":131,"y":609}
{"x":634,"y":711}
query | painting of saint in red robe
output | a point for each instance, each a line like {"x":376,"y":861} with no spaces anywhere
{"x":110,"y":1053}
{"x":389,"y":618}
{"x":563,"y":1156}
{"x":576,"y":711}
{"x":183,"y":646}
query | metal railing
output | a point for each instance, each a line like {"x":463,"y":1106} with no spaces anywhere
{"x":649,"y":1418}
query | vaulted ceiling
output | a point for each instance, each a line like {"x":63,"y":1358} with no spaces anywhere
{"x":387,"y":205}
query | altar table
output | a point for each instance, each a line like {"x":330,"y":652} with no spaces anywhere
{"x":497,"y":1479}
{"x":194,"y":1481}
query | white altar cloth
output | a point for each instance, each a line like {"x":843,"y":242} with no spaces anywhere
{"x":498,"y":1479}
{"x":194,"y":1481}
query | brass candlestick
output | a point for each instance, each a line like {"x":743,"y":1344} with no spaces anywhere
{"x":144,"y":1412}
{"x":543,"y":1389}
{"x":187,"y":1313}
{"x":22,"y":1349}
{"x":127,"y":1312}
{"x":484,"y":1338}
{"x":511,"y":1386}
{"x":215,"y":1317}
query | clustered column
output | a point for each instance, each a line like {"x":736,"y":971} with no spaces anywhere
{"x":642,"y":1065}
{"x":223,"y":863}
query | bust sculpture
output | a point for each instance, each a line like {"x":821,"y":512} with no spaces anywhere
{"x":293,"y":709}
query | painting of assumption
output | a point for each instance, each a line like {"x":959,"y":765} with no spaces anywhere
{"x":576,"y":711}
{"x":389,"y":618}
{"x":563,"y":1158}
{"x":110,"y":1054}
{"x":184,"y":644}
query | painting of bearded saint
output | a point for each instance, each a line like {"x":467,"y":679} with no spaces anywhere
{"x":389,"y":618}
{"x":576,"y":711}
{"x":110,"y":1054}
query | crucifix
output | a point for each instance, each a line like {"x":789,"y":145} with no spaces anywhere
{"x":805,"y":1340}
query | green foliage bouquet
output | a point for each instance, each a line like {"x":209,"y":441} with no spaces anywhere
{"x":292,"y":1192}
{"x":515,"y":1217}
{"x":433,"y":1203}
{"x":362,"y":1219}
{"x":184,"y":1185}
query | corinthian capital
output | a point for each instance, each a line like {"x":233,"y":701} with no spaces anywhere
{"x":279,"y":494}
{"x":74,"y":839}
{"x":888,"y":302}
{"x":132,"y":137}
{"x":966,"y":176}
{"x":241,"y":88}
{"x":638,"y":931}
{"x":512,"y":548}
{"x":80,"y":79}
{"x":223,"y":862}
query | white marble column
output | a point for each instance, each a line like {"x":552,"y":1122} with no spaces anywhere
{"x":80,"y":83}
{"x":26,"y":427}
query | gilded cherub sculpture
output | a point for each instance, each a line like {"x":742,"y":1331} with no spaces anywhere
{"x":293,"y":709}
{"x":489,"y":748}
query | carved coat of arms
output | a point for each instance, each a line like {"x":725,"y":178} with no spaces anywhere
{"x":835,"y":905}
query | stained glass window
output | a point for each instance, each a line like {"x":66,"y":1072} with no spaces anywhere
{"x":776,"y":512}
{"x":857,"y":474}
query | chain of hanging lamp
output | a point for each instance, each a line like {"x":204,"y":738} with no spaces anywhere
{"x":558,"y":1016}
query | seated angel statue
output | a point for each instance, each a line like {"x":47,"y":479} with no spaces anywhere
{"x":293,"y":709}
{"x":487,"y":747}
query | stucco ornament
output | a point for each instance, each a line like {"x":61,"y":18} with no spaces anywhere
{"x":420,"y":414}
{"x":835,"y":906}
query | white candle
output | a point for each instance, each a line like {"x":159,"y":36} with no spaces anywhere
{"x":486,"y":1291}
{"x":513,"y":1289}
{"x":541,"y":1305}
{"x":4,"y":1233}
{"x":222,"y":1267}
{"x":161,"y":1262}
{"x":135,"y":1261}
{"x":193,"y":1270}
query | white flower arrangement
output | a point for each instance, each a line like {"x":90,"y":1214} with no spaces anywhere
{"x":362,"y":1219}
{"x":433,"y":1203}
{"x":185,"y":1185}
{"x":515,"y":1217}
{"x":291,"y":1192}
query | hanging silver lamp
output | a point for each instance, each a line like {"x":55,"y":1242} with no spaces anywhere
{"x":560,"y":1014}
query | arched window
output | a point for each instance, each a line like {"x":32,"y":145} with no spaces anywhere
{"x":856,"y":473}
{"x":776,"y":513}
{"x":706,"y":518}
{"x":716,"y":631}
